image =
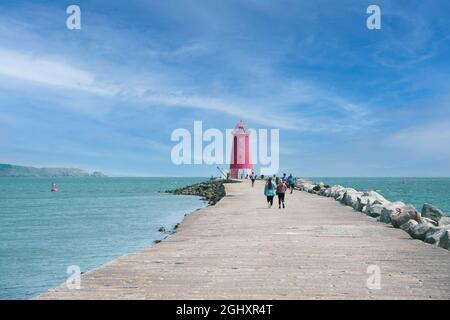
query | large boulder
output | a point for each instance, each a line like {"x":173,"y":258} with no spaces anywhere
{"x":299,"y":182}
{"x":368,"y":201}
{"x":308,"y":187}
{"x":434,"y":235}
{"x":316,"y":189}
{"x":350,"y":198}
{"x":439,"y":236}
{"x":444,"y":241}
{"x":430,"y":211}
{"x":335,"y":189}
{"x":340,"y":194}
{"x":371,"y":197}
{"x":409,"y":225}
{"x":420,"y":230}
{"x":375,"y":210}
{"x":327,"y":192}
{"x":403,"y":215}
{"x":389,"y":209}
{"x":324,"y":189}
{"x":365,"y":202}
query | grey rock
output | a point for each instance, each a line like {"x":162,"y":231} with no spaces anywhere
{"x":308,"y":187}
{"x":384,"y":217}
{"x":327,"y":192}
{"x":409,"y":225}
{"x":367,"y":201}
{"x":430,"y":211}
{"x":362,"y":202}
{"x":212,"y":191}
{"x":434,"y":234}
{"x":336,"y":191}
{"x":420,"y":230}
{"x":403,"y":215}
{"x":444,"y":241}
{"x":389,"y":209}
{"x":350,"y":198}
{"x":375,"y":210}
{"x":373,"y":197}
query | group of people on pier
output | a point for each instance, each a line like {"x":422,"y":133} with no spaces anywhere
{"x":276,"y":186}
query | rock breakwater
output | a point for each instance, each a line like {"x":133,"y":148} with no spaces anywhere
{"x":211,"y":191}
{"x":430,"y":225}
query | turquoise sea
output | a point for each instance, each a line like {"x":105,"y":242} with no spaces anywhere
{"x":415,"y":191}
{"x":88,"y":222}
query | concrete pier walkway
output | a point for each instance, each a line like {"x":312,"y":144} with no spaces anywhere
{"x":316,"y":248}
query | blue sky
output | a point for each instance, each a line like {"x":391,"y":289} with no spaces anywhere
{"x":348,"y":101}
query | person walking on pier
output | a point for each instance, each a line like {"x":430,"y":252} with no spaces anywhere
{"x":269,"y":192}
{"x":253,"y":177}
{"x":277,"y":181}
{"x":281,"y":192}
{"x":291,"y":182}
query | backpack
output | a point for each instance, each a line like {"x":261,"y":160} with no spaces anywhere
{"x":281,"y":188}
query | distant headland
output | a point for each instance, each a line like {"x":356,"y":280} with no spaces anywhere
{"x":9,"y":170}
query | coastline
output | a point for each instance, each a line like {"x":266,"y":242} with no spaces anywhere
{"x":234,"y":251}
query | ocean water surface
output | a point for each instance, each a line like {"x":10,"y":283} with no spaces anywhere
{"x":88,"y":222}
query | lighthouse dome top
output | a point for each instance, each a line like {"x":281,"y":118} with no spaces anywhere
{"x":240,"y":125}
{"x":239,"y":129}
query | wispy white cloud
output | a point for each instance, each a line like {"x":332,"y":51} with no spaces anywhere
{"x":48,"y":72}
{"x":59,"y":74}
{"x":430,"y":140}
{"x":417,"y":44}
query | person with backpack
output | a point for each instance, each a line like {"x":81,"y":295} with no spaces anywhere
{"x":281,"y":192}
{"x":269,"y":192}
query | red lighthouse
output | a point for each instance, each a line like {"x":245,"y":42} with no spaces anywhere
{"x":240,"y":153}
